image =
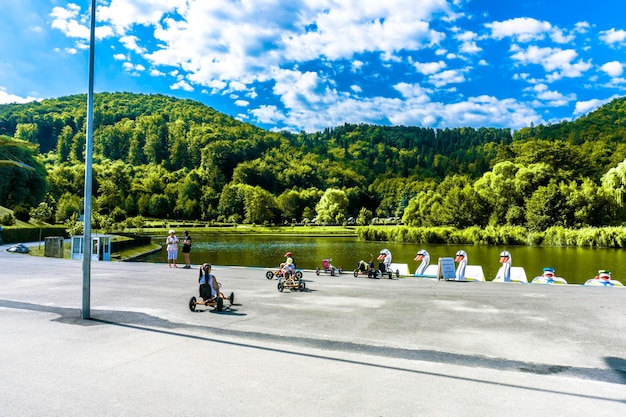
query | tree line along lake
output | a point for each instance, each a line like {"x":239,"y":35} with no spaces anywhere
{"x":574,"y":264}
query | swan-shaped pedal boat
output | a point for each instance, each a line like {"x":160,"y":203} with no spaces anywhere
{"x":508,"y":273}
{"x":603,"y":279}
{"x":548,"y":277}
{"x":465,"y":272}
{"x":425,"y":270}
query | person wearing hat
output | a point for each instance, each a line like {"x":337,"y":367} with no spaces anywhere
{"x":172,"y":249}
{"x":288,"y":255}
{"x":289,"y":269}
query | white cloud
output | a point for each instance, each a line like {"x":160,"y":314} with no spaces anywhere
{"x":65,"y":21}
{"x":129,"y":66}
{"x":242,"y":103}
{"x":523,"y":29}
{"x":74,"y":25}
{"x":554,"y":98}
{"x":130,"y":43}
{"x":612,"y":36}
{"x":182,"y":85}
{"x":7,"y":98}
{"x":583,"y":107}
{"x":476,"y":111}
{"x":124,"y":14}
{"x":429,"y":68}
{"x":268,"y":115}
{"x":447,"y":77}
{"x":414,"y":92}
{"x":245,"y":41}
{"x":556,"y":61}
{"x":468,"y":42}
{"x":613,"y":68}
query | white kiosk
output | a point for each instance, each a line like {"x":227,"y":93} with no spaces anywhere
{"x":100,"y":247}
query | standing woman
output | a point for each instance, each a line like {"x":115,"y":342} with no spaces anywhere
{"x":172,"y":249}
{"x":187,"y":249}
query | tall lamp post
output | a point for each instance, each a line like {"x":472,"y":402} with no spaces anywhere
{"x":85,"y":312}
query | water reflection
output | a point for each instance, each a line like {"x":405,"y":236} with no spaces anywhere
{"x":574,"y":264}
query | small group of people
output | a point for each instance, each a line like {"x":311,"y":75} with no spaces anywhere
{"x":172,"y":249}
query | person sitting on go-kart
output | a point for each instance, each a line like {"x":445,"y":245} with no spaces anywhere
{"x":288,"y":256}
{"x":289,"y":269}
{"x":209,"y":286}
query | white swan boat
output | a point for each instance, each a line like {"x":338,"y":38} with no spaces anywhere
{"x":425,"y":269}
{"x":508,"y":273}
{"x":603,"y":279}
{"x":465,"y":272}
{"x":548,"y":277}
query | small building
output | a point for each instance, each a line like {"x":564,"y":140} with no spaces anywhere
{"x":100,"y":247}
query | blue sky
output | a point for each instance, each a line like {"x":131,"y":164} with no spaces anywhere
{"x":310,"y":64}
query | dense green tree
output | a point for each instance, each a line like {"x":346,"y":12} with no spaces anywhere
{"x":547,"y":207}
{"x":231,"y":203}
{"x":22,"y":174}
{"x":189,"y":197}
{"x":68,"y":205}
{"x":290,"y":204}
{"x":259,"y":205}
{"x":591,"y":205}
{"x":365,"y":217}
{"x":64,"y":144}
{"x":27,"y":132}
{"x":159,"y":206}
{"x":332,"y":204}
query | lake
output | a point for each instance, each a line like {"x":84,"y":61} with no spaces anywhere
{"x":576,"y":265}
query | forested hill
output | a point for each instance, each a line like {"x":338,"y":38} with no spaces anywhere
{"x":159,"y":156}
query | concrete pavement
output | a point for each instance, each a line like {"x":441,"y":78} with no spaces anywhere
{"x":345,"y":347}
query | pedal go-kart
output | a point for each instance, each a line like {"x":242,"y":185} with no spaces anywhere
{"x":364,"y":268}
{"x":216,"y":302}
{"x":327,"y":267}
{"x":280,"y":274}
{"x":293,"y":282}
{"x":377,"y":273}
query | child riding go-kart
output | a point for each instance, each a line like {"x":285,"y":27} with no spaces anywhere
{"x":209,"y":291}
{"x":290,"y":278}
{"x":280,"y":272}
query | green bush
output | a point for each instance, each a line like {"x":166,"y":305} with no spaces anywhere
{"x":21,"y":212}
{"x":7,"y":220}
{"x":607,"y":237}
{"x":31,"y":234}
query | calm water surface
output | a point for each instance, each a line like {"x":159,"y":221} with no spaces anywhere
{"x":576,"y":265}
